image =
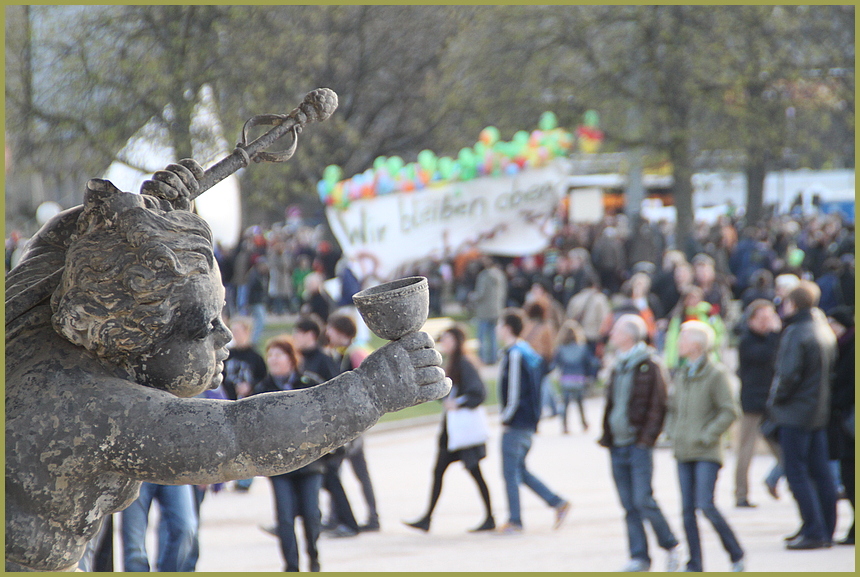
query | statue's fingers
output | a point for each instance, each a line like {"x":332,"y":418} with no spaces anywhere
{"x":159,"y":189}
{"x":428,"y":375}
{"x":415,"y":341}
{"x":425,"y":358}
{"x":170,"y":178}
{"x":194,"y":167}
{"x":434,"y":391}
{"x":189,"y":181}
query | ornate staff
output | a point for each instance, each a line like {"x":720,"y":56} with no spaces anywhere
{"x":318,"y":105}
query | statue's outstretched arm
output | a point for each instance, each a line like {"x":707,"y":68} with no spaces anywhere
{"x":185,"y":441}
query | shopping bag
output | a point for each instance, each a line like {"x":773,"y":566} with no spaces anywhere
{"x":466,"y":427}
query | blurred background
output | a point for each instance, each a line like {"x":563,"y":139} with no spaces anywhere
{"x":751,"y":90}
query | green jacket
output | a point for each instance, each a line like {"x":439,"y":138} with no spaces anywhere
{"x":701,"y":409}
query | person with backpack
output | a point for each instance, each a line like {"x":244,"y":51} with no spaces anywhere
{"x":520,"y":374}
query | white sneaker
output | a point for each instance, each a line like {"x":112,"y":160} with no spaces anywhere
{"x":673,"y":559}
{"x":738,"y":566}
{"x":636,"y":566}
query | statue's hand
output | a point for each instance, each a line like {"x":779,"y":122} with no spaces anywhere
{"x":177,"y":184}
{"x":404,"y":373}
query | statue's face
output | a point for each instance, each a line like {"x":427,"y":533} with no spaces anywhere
{"x":191,"y":360}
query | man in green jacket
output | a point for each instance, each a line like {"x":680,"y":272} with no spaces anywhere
{"x":700,"y":411}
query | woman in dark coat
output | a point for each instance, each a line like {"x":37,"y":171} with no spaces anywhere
{"x":296,"y":493}
{"x":468,"y":391}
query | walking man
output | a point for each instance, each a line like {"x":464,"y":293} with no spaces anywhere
{"x":635,"y":410}
{"x":488,"y":300}
{"x":520,"y":375}
{"x":799,"y":404}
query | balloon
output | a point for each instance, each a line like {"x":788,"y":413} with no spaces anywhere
{"x":466,"y":158}
{"x":521,"y":137}
{"x":468,"y":164}
{"x":395,"y":163}
{"x":548,"y":121}
{"x":512,"y":169}
{"x":385,"y":185}
{"x":332,"y":173}
{"x":480,"y":149}
{"x":379,"y":163}
{"x":427,"y":160}
{"x":337,"y":195}
{"x":445,"y":165}
{"x":490,"y":135}
{"x":591,"y":119}
{"x":322,"y":189}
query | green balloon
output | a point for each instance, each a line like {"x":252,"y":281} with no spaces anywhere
{"x":395,"y":163}
{"x":548,"y":121}
{"x":591,"y":119}
{"x":380,"y":163}
{"x":466,"y":158}
{"x":332,"y":173}
{"x":445,"y":166}
{"x":427,"y":160}
{"x":521,"y":137}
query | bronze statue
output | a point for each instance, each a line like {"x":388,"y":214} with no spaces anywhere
{"x":113,"y":322}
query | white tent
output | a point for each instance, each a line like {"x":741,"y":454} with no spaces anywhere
{"x":150,"y":150}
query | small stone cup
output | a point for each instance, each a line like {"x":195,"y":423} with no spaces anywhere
{"x":395,"y":309}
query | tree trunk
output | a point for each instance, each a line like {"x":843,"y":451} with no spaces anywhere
{"x":682,"y":192}
{"x":756,"y":170}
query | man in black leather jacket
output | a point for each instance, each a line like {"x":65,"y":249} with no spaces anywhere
{"x":799,"y":404}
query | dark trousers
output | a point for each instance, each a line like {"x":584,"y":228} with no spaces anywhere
{"x":697,"y":480}
{"x":355,"y":455}
{"x":443,"y":460}
{"x":341,"y":511}
{"x":297,"y":496}
{"x":810,"y":479}
{"x":632,"y":470}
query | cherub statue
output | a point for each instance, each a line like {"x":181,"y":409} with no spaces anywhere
{"x":113,"y":324}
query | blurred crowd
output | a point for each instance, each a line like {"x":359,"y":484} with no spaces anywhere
{"x":602,"y":299}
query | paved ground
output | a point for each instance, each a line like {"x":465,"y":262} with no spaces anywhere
{"x":592,"y":539}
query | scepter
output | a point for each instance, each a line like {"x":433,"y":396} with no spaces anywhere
{"x":318,"y":105}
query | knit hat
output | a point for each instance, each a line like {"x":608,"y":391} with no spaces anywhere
{"x":844,"y":315}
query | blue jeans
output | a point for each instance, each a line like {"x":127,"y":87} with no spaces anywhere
{"x":632,"y":469}
{"x":177,"y":531}
{"x":487,"y":341}
{"x":297,"y":495}
{"x":515,"y":446}
{"x":258,"y":313}
{"x":804,"y":456}
{"x":697,"y":480}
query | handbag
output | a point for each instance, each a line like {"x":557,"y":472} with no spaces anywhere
{"x":769,"y":430}
{"x":466,"y":427}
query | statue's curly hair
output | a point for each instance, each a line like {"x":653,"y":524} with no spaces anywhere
{"x":123,"y":272}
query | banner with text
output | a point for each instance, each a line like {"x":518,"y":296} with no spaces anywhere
{"x":504,"y":215}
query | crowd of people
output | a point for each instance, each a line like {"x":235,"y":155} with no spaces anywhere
{"x":614,"y":307}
